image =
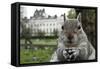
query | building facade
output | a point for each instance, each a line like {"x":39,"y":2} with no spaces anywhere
{"x":40,"y":22}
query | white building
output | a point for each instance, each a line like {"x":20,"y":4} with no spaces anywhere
{"x":44,"y":24}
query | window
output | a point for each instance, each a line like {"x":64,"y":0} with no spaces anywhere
{"x":50,"y":30}
{"x":36,"y":24}
{"x":47,"y":30}
{"x":50,"y":24}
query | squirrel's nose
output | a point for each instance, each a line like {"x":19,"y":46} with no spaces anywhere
{"x":70,"y":37}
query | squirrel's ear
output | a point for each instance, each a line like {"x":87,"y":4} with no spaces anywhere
{"x":79,"y":17}
{"x":64,"y":17}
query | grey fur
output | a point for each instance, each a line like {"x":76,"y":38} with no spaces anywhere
{"x":83,"y":49}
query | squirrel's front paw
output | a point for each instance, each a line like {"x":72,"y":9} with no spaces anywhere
{"x":70,"y":54}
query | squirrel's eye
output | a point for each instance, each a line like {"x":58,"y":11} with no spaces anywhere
{"x":79,"y":27}
{"x":62,"y":27}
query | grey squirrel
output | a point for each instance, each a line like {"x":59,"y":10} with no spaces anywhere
{"x":73,"y":43}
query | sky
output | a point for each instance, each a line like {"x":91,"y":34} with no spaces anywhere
{"x":29,"y":10}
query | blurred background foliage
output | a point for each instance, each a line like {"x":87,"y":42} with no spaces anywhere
{"x":71,"y":13}
{"x":89,"y":23}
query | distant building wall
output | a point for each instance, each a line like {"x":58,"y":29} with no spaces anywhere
{"x":45,"y":25}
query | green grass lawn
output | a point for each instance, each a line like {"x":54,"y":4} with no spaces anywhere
{"x":39,"y":55}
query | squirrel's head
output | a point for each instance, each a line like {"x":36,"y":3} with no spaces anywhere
{"x":71,"y":29}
